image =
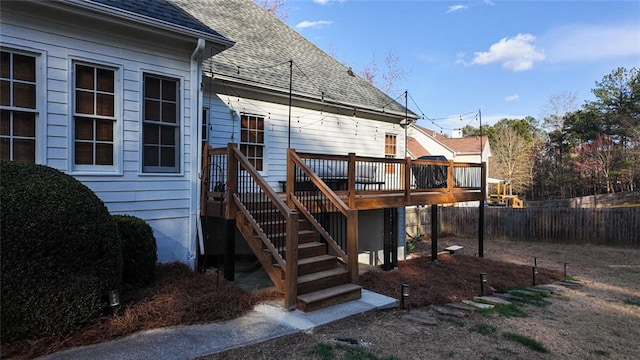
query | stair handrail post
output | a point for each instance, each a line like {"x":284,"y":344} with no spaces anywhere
{"x":351,"y":179}
{"x":291,"y":177}
{"x":291,"y":273}
{"x":352,"y":245}
{"x":232,"y":181}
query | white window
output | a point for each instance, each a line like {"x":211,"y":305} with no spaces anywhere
{"x":17,"y":106}
{"x":161,"y":125}
{"x":390,"y":150}
{"x":94,"y":118}
{"x":252,"y":139}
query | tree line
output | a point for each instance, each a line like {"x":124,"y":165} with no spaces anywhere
{"x":594,"y":149}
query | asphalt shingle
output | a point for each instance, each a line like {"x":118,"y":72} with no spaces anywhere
{"x":265,"y":45}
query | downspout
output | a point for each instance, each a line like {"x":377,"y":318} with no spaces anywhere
{"x":196,"y":89}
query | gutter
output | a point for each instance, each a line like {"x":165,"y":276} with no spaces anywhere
{"x":196,"y":96}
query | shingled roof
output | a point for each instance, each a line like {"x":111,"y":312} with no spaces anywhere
{"x":464,"y":145}
{"x":265,"y":45}
{"x":161,"y":11}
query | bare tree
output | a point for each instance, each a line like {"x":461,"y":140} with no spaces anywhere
{"x":513,"y":156}
{"x":391,"y":74}
{"x":557,"y":106}
{"x":595,"y":160}
{"x":276,"y":8}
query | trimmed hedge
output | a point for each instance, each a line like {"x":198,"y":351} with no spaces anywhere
{"x":61,"y":252}
{"x":139,"y":251}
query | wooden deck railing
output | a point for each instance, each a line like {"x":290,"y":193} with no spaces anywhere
{"x":336,"y":223}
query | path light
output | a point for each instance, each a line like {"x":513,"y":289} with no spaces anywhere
{"x":405,"y":294}
{"x":114,"y":298}
{"x":565,"y":269}
{"x":535,"y":273}
{"x":483,"y":280}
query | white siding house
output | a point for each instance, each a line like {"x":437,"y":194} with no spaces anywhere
{"x":299,"y":96}
{"x":117,"y":104}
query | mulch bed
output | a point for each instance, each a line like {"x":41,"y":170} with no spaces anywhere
{"x":451,"y":278}
{"x":183,"y":297}
{"x":179,"y":296}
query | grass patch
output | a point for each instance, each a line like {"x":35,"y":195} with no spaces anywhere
{"x":511,"y":310}
{"x":483,"y":329}
{"x":453,"y":321}
{"x":535,"y":300}
{"x":526,"y":341}
{"x":600,"y":353}
{"x":344,"y":352}
{"x":632,"y":302}
{"x":324,"y":351}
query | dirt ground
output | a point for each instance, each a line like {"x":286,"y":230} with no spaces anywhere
{"x":598,"y":320}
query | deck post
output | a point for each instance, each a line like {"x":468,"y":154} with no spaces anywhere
{"x":352,"y":245}
{"x":351,"y":179}
{"x":230,"y":215}
{"x":434,"y":232}
{"x":229,"y":256}
{"x":481,"y":211}
{"x":291,"y":274}
{"x":407,"y":181}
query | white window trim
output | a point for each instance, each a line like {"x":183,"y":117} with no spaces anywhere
{"x":182,"y":103}
{"x":41,"y":96}
{"x":265,"y":151}
{"x":118,"y":128}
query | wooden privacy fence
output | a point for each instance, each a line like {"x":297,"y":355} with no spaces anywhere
{"x":603,"y":226}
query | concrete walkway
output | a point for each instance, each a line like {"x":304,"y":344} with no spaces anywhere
{"x":264,"y":323}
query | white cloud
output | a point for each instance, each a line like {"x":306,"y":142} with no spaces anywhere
{"x":454,"y":8}
{"x":512,"y":98}
{"x":516,"y":54}
{"x":592,"y":42}
{"x":313,"y":24}
{"x":325,"y":2}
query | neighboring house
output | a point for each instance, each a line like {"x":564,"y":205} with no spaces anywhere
{"x":108,"y":91}
{"x":470,"y":149}
{"x":333,"y":110}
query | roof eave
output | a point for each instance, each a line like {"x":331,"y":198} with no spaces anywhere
{"x":315,"y":99}
{"x":149,"y":21}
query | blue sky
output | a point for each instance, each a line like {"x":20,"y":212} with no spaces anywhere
{"x":505,"y":58}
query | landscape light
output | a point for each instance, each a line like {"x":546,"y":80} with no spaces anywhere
{"x":483,"y":280}
{"x":565,"y":269}
{"x":535,"y":261}
{"x":535,"y":272}
{"x":405,"y":294}
{"x":114,"y":298}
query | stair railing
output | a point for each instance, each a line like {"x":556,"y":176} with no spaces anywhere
{"x":277,"y":227}
{"x":336,"y":223}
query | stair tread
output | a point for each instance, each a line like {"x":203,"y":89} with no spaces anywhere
{"x":315,"y":259}
{"x":301,"y":232}
{"x":301,"y":246}
{"x":321,"y":274}
{"x":328,"y":293}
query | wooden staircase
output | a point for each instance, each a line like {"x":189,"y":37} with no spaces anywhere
{"x":322,"y":280}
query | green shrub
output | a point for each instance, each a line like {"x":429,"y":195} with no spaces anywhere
{"x":60,"y":252}
{"x":139,"y":251}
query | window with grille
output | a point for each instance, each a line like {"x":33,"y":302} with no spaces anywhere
{"x":94,"y":115}
{"x":390,"y":151}
{"x":161,"y":125}
{"x":252,"y":139}
{"x":17,"y":107}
